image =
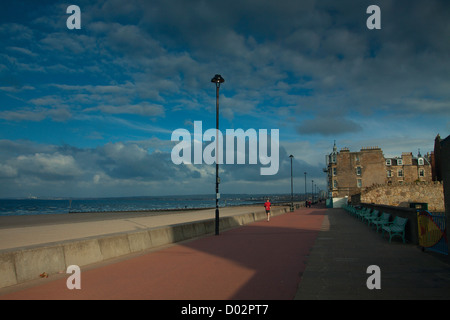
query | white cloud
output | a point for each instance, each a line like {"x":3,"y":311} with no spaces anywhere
{"x":36,"y":114}
{"x":48,"y":166}
{"x":7,"y":171}
{"x":143,"y":109}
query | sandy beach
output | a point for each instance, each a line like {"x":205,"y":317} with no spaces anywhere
{"x":20,"y":231}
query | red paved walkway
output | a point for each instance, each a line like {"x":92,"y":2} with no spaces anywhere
{"x":263,"y":260}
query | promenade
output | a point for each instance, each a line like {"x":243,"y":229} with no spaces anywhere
{"x":311,"y":253}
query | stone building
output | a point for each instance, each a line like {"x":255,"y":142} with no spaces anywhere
{"x":350,"y":173}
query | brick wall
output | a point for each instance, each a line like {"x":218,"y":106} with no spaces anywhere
{"x":402,"y":194}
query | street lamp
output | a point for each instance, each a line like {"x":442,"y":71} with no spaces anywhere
{"x":217,"y":80}
{"x":312,"y":191}
{"x":292,"y":187}
{"x":306,"y":195}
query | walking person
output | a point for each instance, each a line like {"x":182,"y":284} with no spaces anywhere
{"x":267,"y":206}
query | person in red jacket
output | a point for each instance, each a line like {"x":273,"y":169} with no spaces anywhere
{"x":267,"y":206}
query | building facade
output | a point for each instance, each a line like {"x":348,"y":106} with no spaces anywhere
{"x":350,"y":173}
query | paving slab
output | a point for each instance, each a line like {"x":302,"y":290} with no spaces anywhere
{"x":346,"y":247}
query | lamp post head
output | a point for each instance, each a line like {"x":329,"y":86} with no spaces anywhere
{"x":218,"y":80}
{"x":291,"y":156}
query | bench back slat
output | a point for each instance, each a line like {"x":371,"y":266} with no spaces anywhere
{"x":399,"y":221}
{"x":385,"y":216}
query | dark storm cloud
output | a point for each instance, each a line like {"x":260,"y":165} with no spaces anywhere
{"x":328,"y":126}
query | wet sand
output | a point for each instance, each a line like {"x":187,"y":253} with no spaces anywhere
{"x":45,"y":219}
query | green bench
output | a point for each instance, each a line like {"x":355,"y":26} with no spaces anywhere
{"x":353,"y":211}
{"x":396,"y":228}
{"x":371,"y":216}
{"x":363,"y":216}
{"x":362,"y":212}
{"x":381,"y":221}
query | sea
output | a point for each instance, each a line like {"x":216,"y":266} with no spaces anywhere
{"x":33,"y":206}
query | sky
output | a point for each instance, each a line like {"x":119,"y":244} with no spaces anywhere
{"x":90,"y":112}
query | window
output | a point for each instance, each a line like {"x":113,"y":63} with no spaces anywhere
{"x":358,"y":171}
{"x":359,"y":183}
{"x":399,"y":162}
{"x":335,"y":184}
{"x":334,"y":171}
{"x":421,"y":173}
{"x":420,"y":161}
{"x":389,"y":173}
{"x":388,"y":162}
{"x":356,"y":158}
{"x":400,"y":173}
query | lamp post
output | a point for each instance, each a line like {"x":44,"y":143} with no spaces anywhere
{"x":217,"y":80}
{"x":312,"y":191}
{"x":292,"y":186}
{"x":306,"y":195}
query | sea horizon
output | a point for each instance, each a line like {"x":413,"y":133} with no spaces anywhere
{"x":64,"y":205}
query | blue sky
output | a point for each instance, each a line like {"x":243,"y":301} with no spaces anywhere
{"x":90,"y":112}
